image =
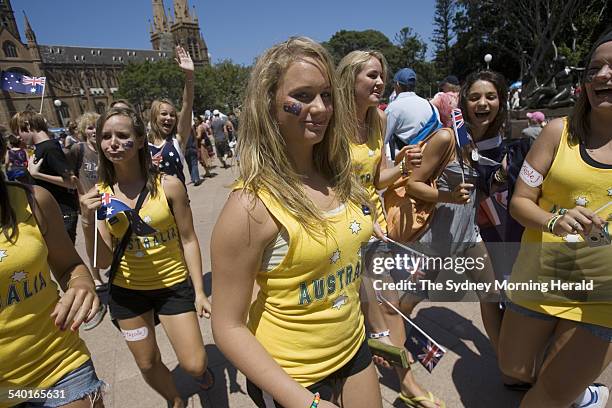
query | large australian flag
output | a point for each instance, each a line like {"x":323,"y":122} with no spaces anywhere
{"x":23,"y":84}
{"x":111,"y":206}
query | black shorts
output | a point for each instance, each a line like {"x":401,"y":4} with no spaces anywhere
{"x":328,"y":387}
{"x":222,"y":147}
{"x":128,"y":303}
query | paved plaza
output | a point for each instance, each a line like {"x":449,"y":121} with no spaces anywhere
{"x":466,"y":377}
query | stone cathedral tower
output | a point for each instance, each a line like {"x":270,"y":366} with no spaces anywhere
{"x":184,"y":29}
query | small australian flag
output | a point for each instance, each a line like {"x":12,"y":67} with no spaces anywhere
{"x":425,"y":350}
{"x":112,"y":206}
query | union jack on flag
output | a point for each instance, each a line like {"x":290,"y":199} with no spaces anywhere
{"x":424,"y":349}
{"x":26,"y":80}
{"x":461,"y":134}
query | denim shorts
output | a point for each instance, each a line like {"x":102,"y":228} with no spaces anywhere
{"x":604,"y":333}
{"x":77,"y":384}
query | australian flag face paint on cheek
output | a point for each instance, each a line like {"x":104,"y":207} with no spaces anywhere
{"x":128,"y":145}
{"x":294,"y":108}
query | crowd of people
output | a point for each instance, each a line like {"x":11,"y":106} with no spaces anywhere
{"x":316,"y":152}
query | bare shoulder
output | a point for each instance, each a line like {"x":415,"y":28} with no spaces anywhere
{"x":551,"y":133}
{"x":173,"y":187}
{"x":382,"y":115}
{"x":245,"y":215}
{"x":442,"y":138}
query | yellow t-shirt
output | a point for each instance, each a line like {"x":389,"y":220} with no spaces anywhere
{"x":366,"y":158}
{"x":34,"y":353}
{"x":153,"y":261}
{"x":307,"y":314}
{"x":544,"y":257}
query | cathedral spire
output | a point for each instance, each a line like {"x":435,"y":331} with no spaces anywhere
{"x":29,"y":33}
{"x":181,"y":11}
{"x":160,"y":21}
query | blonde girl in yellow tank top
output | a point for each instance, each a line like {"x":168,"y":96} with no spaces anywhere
{"x":39,"y":343}
{"x":152,"y":278}
{"x":566,"y":179}
{"x":304,"y":333}
{"x":361,"y":83}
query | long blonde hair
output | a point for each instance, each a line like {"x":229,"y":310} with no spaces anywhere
{"x":264,"y":164}
{"x":349,"y":67}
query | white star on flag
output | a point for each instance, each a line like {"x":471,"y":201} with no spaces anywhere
{"x":335,"y":256}
{"x":109,"y":211}
{"x":147,"y":219}
{"x":2,"y":254}
{"x":167,"y":164}
{"x":19,"y":276}
{"x":33,"y":90}
{"x":171,"y":154}
{"x":582,"y":201}
{"x":355,"y":227}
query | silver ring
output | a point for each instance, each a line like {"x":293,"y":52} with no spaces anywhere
{"x":575,"y":226}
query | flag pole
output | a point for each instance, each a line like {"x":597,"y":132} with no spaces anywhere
{"x":95,"y":254}
{"x":458,"y":150}
{"x":412,"y":323}
{"x":42,"y":97}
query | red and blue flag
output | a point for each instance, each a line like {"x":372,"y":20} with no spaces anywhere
{"x":23,"y":84}
{"x":424,"y":349}
{"x":111,"y":206}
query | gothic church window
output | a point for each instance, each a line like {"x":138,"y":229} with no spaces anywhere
{"x":10,"y":51}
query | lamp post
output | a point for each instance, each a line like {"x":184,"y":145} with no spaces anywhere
{"x":487,"y":59}
{"x":58,"y":105}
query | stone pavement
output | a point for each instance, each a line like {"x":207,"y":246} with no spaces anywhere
{"x":466,"y":377}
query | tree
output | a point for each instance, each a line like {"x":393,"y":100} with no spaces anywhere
{"x":343,"y":42}
{"x":443,"y":35}
{"x":141,"y":83}
{"x":220,"y":86}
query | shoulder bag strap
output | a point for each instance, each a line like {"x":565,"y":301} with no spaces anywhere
{"x":120,"y":249}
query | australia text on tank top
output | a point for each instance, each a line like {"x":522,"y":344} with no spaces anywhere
{"x":168,"y":158}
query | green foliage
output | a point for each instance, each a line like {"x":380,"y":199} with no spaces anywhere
{"x":216,"y":87}
{"x":144,"y":82}
{"x":345,"y":41}
{"x":443,"y":35}
{"x":407,"y":50}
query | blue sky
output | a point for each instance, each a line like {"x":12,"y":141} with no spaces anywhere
{"x":239,"y":30}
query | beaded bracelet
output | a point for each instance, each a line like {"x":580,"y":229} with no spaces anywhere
{"x":550,"y":225}
{"x":315,"y":401}
{"x":385,"y":333}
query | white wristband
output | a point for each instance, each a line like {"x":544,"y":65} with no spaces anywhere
{"x":530,"y":176}
{"x":385,"y":333}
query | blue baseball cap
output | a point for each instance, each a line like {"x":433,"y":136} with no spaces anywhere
{"x":405,"y":76}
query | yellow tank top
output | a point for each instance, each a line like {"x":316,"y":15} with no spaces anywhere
{"x":366,"y":158}
{"x":570,"y":181}
{"x":307,"y":314}
{"x":153,"y":261}
{"x":33,"y":351}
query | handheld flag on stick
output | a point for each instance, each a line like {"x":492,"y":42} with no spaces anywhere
{"x":112,"y":206}
{"x":421,"y":346}
{"x":461,"y":136}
